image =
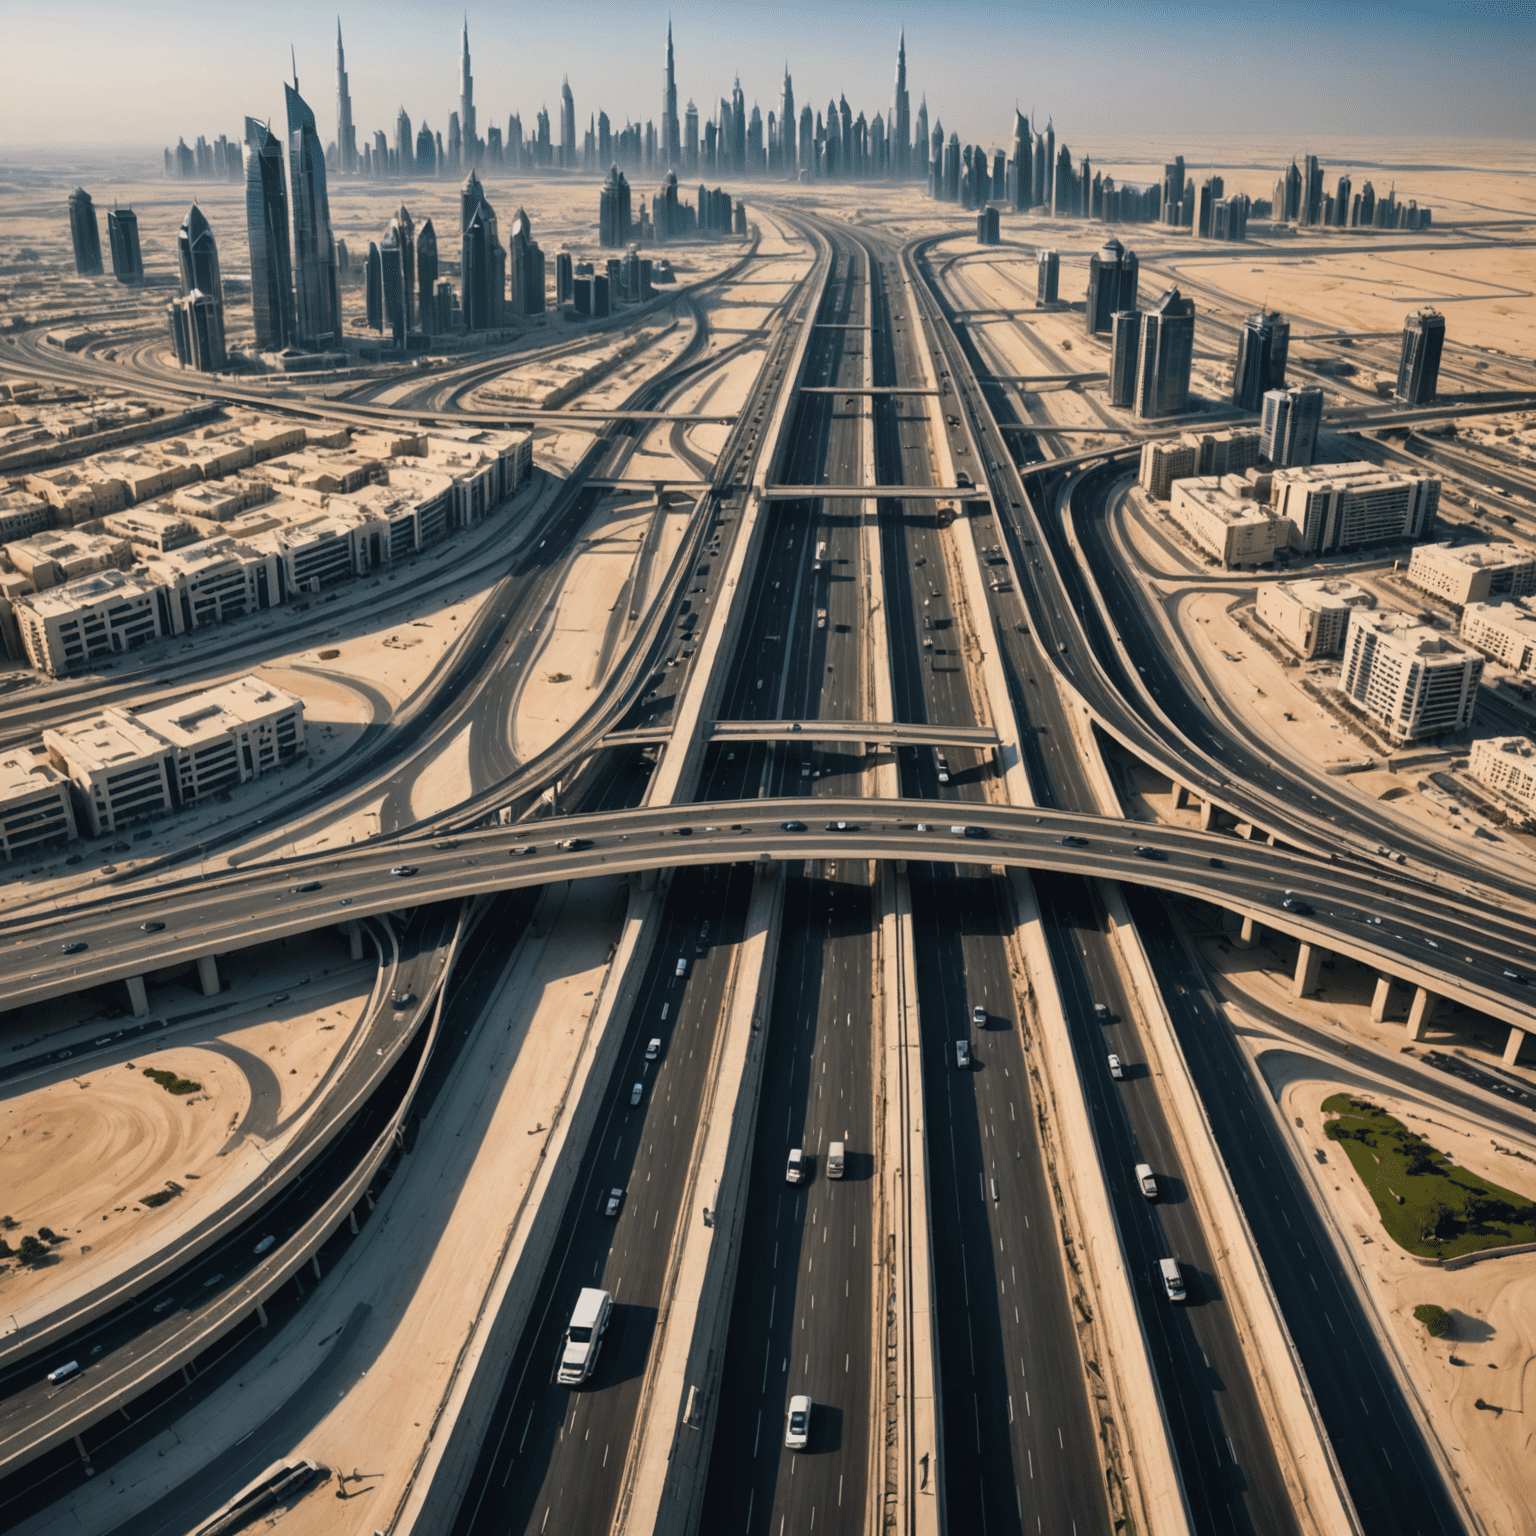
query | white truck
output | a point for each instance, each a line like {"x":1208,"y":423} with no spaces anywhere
{"x":834,"y":1160}
{"x":584,"y":1336}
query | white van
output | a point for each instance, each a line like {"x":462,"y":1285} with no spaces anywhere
{"x":1173,"y":1279}
{"x":796,"y":1169}
{"x":1146,"y":1179}
{"x":682,"y":965}
{"x":834,"y":1160}
{"x":63,"y":1373}
{"x":584,"y":1336}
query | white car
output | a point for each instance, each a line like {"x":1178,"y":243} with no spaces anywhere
{"x":636,"y":1093}
{"x":797,"y":1428}
{"x":614,"y":1202}
{"x":1115,"y":1069}
{"x":682,"y":965}
{"x":978,"y":1015}
{"x":962,"y":1054}
{"x":653,"y":1050}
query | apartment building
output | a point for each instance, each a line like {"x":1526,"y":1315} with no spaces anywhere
{"x":150,"y":529}
{"x":1311,"y":616}
{"x":1163,"y":463}
{"x":1504,"y":631}
{"x":36,"y":807}
{"x":89,"y":619}
{"x":1473,"y":573}
{"x":54,"y":556}
{"x":1408,"y":676}
{"x":1237,"y":529}
{"x":212,"y":583}
{"x":120,"y":770}
{"x":1507,"y":764}
{"x":1344,"y":506}
{"x":23,"y":514}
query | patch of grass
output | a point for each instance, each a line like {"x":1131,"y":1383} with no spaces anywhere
{"x":1428,"y":1205}
{"x":171,"y":1083}
{"x":160,"y":1197}
{"x":1436,"y":1320}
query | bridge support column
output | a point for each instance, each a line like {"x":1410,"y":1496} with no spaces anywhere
{"x":1420,"y":1012}
{"x":1309,"y":961}
{"x":138,"y":997}
{"x":1180,"y":797}
{"x":354,"y":931}
{"x":314,"y":1260}
{"x":261,"y":1314}
{"x":644,"y":879}
{"x":1250,"y":932}
{"x":1207,"y":815}
{"x":208,"y":974}
{"x":85,"y":1456}
{"x":1381,"y":999}
{"x":1513,"y":1044}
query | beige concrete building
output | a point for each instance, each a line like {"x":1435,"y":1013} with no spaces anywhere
{"x":54,"y":556}
{"x":1222,"y":453}
{"x":150,"y":528}
{"x":120,"y":770}
{"x":212,"y":583}
{"x":1343,"y":506}
{"x":78,"y":492}
{"x":23,"y":514}
{"x":1472,"y":573}
{"x":219,"y":500}
{"x":1507,"y":764}
{"x":1504,"y":631}
{"x":1408,"y":676}
{"x":86,"y":620}
{"x":1224,"y":522}
{"x":1311,"y":616}
{"x":1163,"y":463}
{"x":36,"y":808}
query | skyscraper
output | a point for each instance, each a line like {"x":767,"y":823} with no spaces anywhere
{"x":1310,"y":208}
{"x":527,"y":262}
{"x":346,"y":136}
{"x":671,"y":135}
{"x":613,"y":211}
{"x":266,"y":224}
{"x":482,"y":265}
{"x":404,"y":228}
{"x":1261,"y":354}
{"x":468,"y":140}
{"x":1167,"y":351}
{"x":394,"y":283}
{"x":197,"y":259}
{"x":84,"y":233}
{"x":1418,"y":373}
{"x":317,"y":296}
{"x":1124,"y":354}
{"x":197,"y":332}
{"x":426,"y":152}
{"x":123,"y":240}
{"x":1112,"y":279}
{"x":405,"y":146}
{"x":426,"y":270}
{"x":789,"y":159}
{"x":373,"y":289}
{"x":1288,"y":427}
{"x":738,"y":128}
{"x":901,"y":147}
{"x":1048,"y":279}
{"x":568,"y":154}
{"x":1023,"y":167}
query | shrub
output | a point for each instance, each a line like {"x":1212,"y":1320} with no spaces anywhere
{"x":159,"y":1197}
{"x":171,"y":1083}
{"x":31,"y":1250}
{"x":48,"y":1235}
{"x":1436,"y":1320}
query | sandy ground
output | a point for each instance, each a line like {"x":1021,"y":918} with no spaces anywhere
{"x":81,"y":1149}
{"x":1478,"y":1384}
{"x":420,"y":1270}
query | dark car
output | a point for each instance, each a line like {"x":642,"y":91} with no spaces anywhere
{"x":1074,"y":842}
{"x":792,"y":826}
{"x":151,"y":926}
{"x":1145,"y":851}
{"x":403,"y":869}
{"x":576,"y":844}
{"x":522,"y":851}
{"x":308,"y":885}
{"x":75,"y":947}
{"x":975,"y":832}
{"x":1297,"y":905}
{"x":685,"y":831}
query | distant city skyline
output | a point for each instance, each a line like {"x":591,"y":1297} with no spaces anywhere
{"x":118,"y":64}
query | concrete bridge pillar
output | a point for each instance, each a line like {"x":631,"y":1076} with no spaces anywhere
{"x":1381,"y":999}
{"x":138,"y":996}
{"x":1513,"y":1044}
{"x":1249,"y":935}
{"x":354,"y":932}
{"x":1180,"y":797}
{"x":1309,"y":960}
{"x":1207,"y":815}
{"x":208,"y":974}
{"x":1420,"y":1012}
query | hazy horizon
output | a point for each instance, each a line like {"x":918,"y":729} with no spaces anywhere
{"x":141,"y":80}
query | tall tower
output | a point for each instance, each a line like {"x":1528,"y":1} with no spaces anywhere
{"x":1418,"y":371}
{"x":84,"y":233}
{"x":317,"y":296}
{"x":738,"y":128}
{"x":901,"y":150}
{"x":1262,"y":350}
{"x":266,"y":225}
{"x":471,"y":145}
{"x":197,"y":257}
{"x":671,"y":137}
{"x":1023,"y":164}
{"x":346,"y":135}
{"x":123,"y":239}
{"x":567,"y":126}
{"x":1167,"y":350}
{"x":788,"y":159}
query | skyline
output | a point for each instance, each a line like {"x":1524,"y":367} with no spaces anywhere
{"x":519,"y":66}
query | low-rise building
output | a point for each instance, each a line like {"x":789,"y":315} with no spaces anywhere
{"x":145,"y":473}
{"x":36,"y":807}
{"x":1507,"y":764}
{"x":89,"y":619}
{"x":212,"y":583}
{"x":1472,"y":573}
{"x":120,"y":770}
{"x":1504,"y":631}
{"x":54,"y":556}
{"x":1311,"y":616}
{"x":23,"y":514}
{"x":1163,"y":463}
{"x":78,"y":492}
{"x":1343,"y":506}
{"x":1408,"y":676}
{"x":1222,"y":453}
{"x":1237,"y":529}
{"x":323,"y":550}
{"x":151,"y":529}
{"x":217,"y":501}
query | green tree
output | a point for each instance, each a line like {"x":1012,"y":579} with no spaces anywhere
{"x":1436,"y":1320}
{"x":31,"y":1250}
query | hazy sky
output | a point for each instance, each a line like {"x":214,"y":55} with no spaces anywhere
{"x":89,"y":73}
